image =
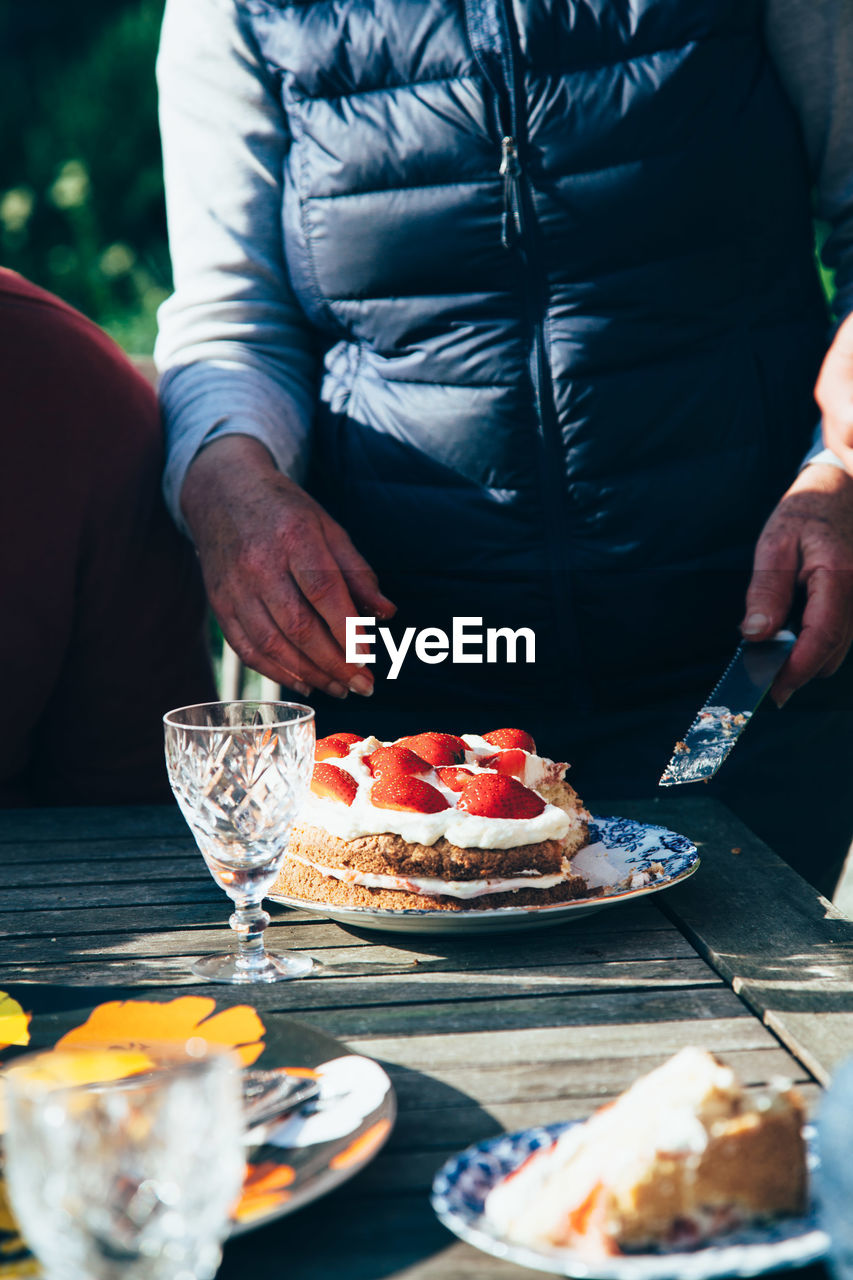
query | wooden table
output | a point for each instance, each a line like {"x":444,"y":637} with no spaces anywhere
{"x":478,"y":1034}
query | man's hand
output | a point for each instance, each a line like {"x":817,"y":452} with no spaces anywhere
{"x":281,"y":575}
{"x":834,"y":394}
{"x":807,"y":541}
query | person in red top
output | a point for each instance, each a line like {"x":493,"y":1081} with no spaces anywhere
{"x":102,"y":607}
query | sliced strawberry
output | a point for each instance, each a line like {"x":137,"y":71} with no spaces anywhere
{"x":401,"y":791}
{"x":387,"y":761}
{"x":493,"y":795}
{"x":336,"y":744}
{"x":505,"y":738}
{"x":454,"y":776}
{"x":331,"y":783}
{"x":437,"y":748}
{"x":510,"y":762}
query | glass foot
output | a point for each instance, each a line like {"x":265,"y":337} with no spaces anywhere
{"x":270,"y":968}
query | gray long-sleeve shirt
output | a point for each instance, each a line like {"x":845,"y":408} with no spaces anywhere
{"x":235,"y":352}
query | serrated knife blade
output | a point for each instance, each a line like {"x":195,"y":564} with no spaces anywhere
{"x":728,"y":709}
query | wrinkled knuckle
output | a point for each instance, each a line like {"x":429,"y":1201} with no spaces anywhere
{"x":362,"y":575}
{"x":833,"y":570}
{"x":832,"y":638}
{"x":268,"y":643}
{"x":762,"y":597}
{"x":300,"y":531}
{"x":319,"y":585}
{"x":248,"y":653}
{"x":301,"y":630}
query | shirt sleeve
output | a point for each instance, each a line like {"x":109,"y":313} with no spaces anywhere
{"x":811,"y":45}
{"x":235,"y":352}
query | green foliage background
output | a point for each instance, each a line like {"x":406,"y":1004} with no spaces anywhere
{"x":81,"y":191}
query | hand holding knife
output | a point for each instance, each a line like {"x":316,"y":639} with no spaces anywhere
{"x":807,"y":543}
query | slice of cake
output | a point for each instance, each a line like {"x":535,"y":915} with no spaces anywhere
{"x":683,"y":1155}
{"x":436,"y":821}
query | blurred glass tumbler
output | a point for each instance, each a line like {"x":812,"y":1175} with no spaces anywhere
{"x":128,"y":1178}
{"x":240,"y":772}
{"x":835,"y":1175}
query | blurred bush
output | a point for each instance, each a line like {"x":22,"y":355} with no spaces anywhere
{"x":81,"y":191}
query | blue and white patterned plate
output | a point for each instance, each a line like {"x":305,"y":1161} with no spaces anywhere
{"x":641,"y":859}
{"x":462,"y":1184}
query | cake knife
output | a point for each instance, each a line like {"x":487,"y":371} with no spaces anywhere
{"x":728,"y":709}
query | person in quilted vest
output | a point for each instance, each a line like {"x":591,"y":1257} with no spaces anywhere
{"x":507,"y":311}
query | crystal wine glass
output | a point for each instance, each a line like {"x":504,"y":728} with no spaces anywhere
{"x":240,"y":772}
{"x":128,"y":1178}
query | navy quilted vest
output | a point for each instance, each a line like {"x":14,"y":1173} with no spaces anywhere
{"x":559,"y":253}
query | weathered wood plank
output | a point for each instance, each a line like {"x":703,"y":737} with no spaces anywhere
{"x":340,"y":984}
{"x":578,"y":1025}
{"x":76,"y":863}
{"x":595,"y":1080}
{"x":171,"y":889}
{"x":786,"y":951}
{"x":589,"y":1028}
{"x":335,"y":946}
{"x":637,"y":1013}
{"x":53,"y":923}
{"x":123,"y":821}
{"x":124,"y":919}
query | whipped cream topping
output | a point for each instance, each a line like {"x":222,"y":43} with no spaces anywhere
{"x":431,"y":887}
{"x":538,"y":771}
{"x":466,"y":830}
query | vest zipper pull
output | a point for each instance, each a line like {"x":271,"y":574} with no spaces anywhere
{"x":510,"y":171}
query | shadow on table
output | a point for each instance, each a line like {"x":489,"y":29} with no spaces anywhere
{"x":816,"y":981}
{"x":345,"y":1236}
{"x":379,"y":1224}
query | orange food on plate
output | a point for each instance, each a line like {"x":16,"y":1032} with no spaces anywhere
{"x":684,"y":1155}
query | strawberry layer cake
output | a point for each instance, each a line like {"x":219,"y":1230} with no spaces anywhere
{"x":436,"y":822}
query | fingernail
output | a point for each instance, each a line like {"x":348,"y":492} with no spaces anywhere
{"x":361,"y":684}
{"x":304,"y":689}
{"x":386,"y":607}
{"x":780,"y":699}
{"x":337,"y":690}
{"x":755,"y":624}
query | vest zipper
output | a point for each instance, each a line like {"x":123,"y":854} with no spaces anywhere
{"x":491,"y":25}
{"x":519,"y":233}
{"x":510,"y":171}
